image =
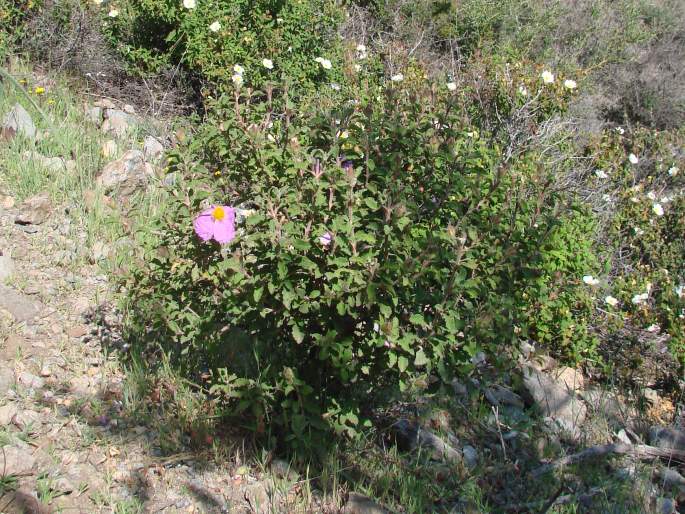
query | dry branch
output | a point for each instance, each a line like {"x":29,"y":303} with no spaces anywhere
{"x":640,"y":451}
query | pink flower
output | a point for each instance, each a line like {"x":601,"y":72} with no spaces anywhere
{"x":217,"y":222}
{"x":326,"y":239}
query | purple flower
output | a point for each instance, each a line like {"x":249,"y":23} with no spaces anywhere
{"x":347,"y":165}
{"x":217,"y":222}
{"x":326,"y":239}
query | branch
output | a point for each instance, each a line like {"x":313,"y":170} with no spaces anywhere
{"x":640,"y":451}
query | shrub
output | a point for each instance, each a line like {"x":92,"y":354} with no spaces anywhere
{"x":212,"y":37}
{"x":388,"y":242}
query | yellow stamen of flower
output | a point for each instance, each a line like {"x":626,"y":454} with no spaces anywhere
{"x":218,"y":214}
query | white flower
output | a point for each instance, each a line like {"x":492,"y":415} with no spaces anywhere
{"x":606,"y":197}
{"x":570,"y":84}
{"x":638,"y":231}
{"x":189,"y":4}
{"x":326,"y":239}
{"x":113,"y":13}
{"x":522,"y":90}
{"x":640,"y":298}
{"x":238,"y":69}
{"x":651,"y":195}
{"x":590,"y":280}
{"x":268,"y":64}
{"x":325,"y":63}
{"x":601,"y":174}
{"x":376,"y":327}
{"x":215,"y":27}
{"x":633,"y":158}
{"x":658,"y":209}
{"x":680,"y":291}
{"x":634,"y":199}
{"x":397,"y":78}
{"x":673,"y":171}
{"x":620,"y":130}
{"x":547,"y":77}
{"x":237,"y":79}
{"x":361,"y":52}
{"x":452,"y":86}
{"x":653,"y":328}
{"x":335,"y":86}
{"x":279,"y":20}
{"x":611,"y":301}
{"x":357,"y":67}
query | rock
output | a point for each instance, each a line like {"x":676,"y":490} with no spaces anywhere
{"x":498,"y":395}
{"x":410,"y":436}
{"x":126,"y":174}
{"x":470,"y":456}
{"x":34,"y":210}
{"x":64,"y":485}
{"x":670,"y":478}
{"x":129,"y":109}
{"x":21,"y":307}
{"x":6,"y":379}
{"x":19,"y":121}
{"x":571,"y":378}
{"x":608,"y":405}
{"x":77,"y":331}
{"x":152,"y":148}
{"x":99,"y":251}
{"x":30,"y":380}
{"x":651,"y":395}
{"x":15,"y":461}
{"x":7,"y":414}
{"x":665,"y":506}
{"x":667,"y":438}
{"x":258,"y":497}
{"x":116,"y":122}
{"x":105,"y":103}
{"x":53,"y":164}
{"x":109,"y":149}
{"x":7,"y":202}
{"x":6,"y":268}
{"x":459,"y":388}
{"x":555,"y":401}
{"x":95,"y":114}
{"x":360,"y":504}
{"x":27,"y":420}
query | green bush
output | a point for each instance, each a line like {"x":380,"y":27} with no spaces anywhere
{"x":13,"y":14}
{"x":210,"y":38}
{"x":388,"y":244}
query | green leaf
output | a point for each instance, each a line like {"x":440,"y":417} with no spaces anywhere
{"x":371,"y":203}
{"x":420,"y":359}
{"x":297,"y":334}
{"x":402,"y":363}
{"x":258,"y":294}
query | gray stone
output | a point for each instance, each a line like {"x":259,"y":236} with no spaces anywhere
{"x":7,"y":414}
{"x":28,"y":420}
{"x":19,"y":121}
{"x":95,"y":114}
{"x":21,"y":307}
{"x":665,"y":506}
{"x":54,"y":164}
{"x":126,"y":175}
{"x":470,"y":456}
{"x":360,"y":504}
{"x":555,"y":401}
{"x":6,"y":379}
{"x":152,"y":148}
{"x":30,"y":380}
{"x":105,"y":103}
{"x":15,"y":461}
{"x":117,"y":122}
{"x":667,"y":438}
{"x":498,"y":395}
{"x":35,"y":210}
{"x":411,"y":436}
{"x":6,"y":268}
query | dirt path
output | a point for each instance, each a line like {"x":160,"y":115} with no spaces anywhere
{"x":68,"y":441}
